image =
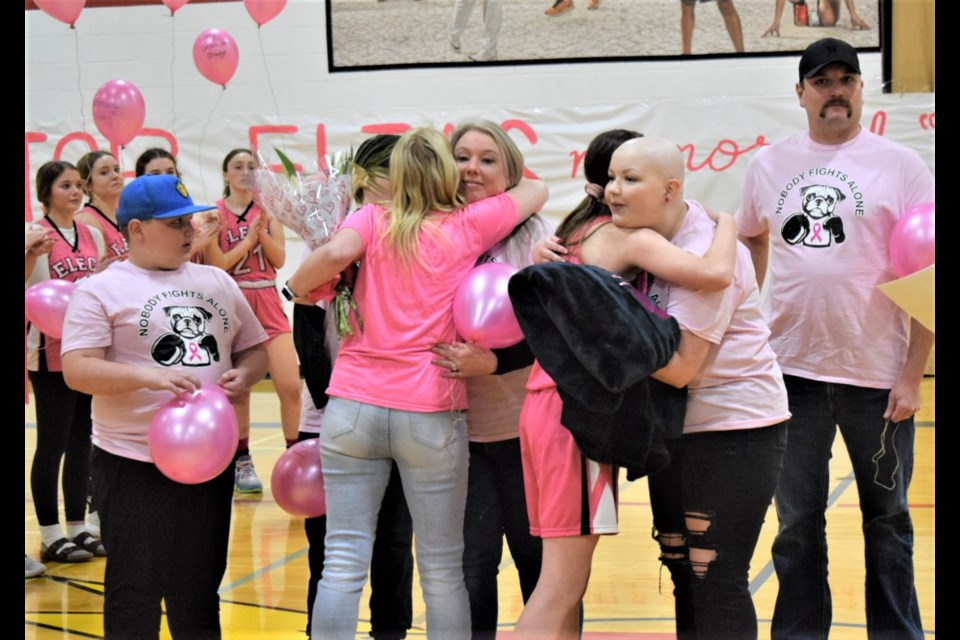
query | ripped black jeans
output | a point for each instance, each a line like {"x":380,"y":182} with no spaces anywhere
{"x":715,"y":494}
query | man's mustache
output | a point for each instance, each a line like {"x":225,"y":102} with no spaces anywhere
{"x":836,"y":102}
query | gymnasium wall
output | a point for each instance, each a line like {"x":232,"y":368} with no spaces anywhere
{"x":719,"y":110}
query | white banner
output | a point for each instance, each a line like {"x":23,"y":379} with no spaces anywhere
{"x":718,"y":138}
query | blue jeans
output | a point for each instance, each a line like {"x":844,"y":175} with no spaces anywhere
{"x":391,"y":569}
{"x":726,"y":478}
{"x":359,"y":443}
{"x":496,"y":507}
{"x":882,"y":461}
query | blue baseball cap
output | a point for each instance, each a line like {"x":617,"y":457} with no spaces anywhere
{"x":156,"y":196}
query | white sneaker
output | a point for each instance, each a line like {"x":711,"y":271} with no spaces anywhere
{"x":32,"y":568}
{"x":245,"y":478}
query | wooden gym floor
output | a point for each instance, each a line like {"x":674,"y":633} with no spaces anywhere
{"x":264,"y":590}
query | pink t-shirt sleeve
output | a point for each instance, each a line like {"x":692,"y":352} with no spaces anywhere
{"x":704,"y":314}
{"x":87,"y":325}
{"x":749,"y":222}
{"x":491,"y":218}
{"x":364,"y":221}
{"x":920,"y":185}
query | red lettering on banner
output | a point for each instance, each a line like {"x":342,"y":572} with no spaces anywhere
{"x":256,"y":131}
{"x":577,"y":159}
{"x":724,"y":154}
{"x":322,"y":148}
{"x":395,"y":128}
{"x":70,"y":137}
{"x":927,"y":120}
{"x":529,"y":134}
{"x":878,"y":124}
{"x":28,"y":137}
{"x":523,"y":127}
{"x":448,"y":129}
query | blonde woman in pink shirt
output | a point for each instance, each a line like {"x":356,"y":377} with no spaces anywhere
{"x":388,"y":401}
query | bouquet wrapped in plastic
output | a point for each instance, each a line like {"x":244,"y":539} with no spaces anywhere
{"x":313,"y":207}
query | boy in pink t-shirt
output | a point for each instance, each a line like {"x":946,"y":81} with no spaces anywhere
{"x":137,"y":335}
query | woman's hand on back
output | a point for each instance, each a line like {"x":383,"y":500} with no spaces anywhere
{"x":464,"y":360}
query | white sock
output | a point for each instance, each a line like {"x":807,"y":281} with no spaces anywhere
{"x":50,"y":534}
{"x":76,"y":528}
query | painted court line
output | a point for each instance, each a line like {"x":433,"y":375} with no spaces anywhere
{"x":767,"y":570}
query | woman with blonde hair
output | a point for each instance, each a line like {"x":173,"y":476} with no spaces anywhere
{"x":490,"y":163}
{"x":388,"y":401}
{"x":391,"y":566}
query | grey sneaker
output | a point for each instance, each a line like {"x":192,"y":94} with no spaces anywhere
{"x":32,"y":568}
{"x":245,"y":478}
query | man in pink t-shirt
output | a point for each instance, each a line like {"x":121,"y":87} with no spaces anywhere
{"x":820,"y":206}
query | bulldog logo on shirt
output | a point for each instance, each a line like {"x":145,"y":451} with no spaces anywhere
{"x":189,"y":345}
{"x":818,"y":225}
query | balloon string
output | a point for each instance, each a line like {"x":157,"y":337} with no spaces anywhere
{"x":273,"y":93}
{"x":203,"y":135}
{"x":173,"y":55}
{"x":76,"y":47}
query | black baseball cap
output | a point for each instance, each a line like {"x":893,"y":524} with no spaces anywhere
{"x":824,"y":52}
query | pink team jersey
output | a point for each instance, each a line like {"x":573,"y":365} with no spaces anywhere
{"x":72,"y":261}
{"x":540,"y":379}
{"x":254,"y":265}
{"x":116,"y":243}
{"x":567,"y":493}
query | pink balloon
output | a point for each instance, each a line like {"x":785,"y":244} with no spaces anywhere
{"x":45,"y":304}
{"x":63,"y":10}
{"x":913,"y":240}
{"x":193,"y":438}
{"x":173,"y":5}
{"x":482,"y":311}
{"x":119,"y":111}
{"x":297,"y":480}
{"x":216,"y":55}
{"x":263,"y":11}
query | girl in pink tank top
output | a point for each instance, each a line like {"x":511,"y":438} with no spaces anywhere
{"x":569,"y":518}
{"x":102,"y":182}
{"x":63,"y":415}
{"x":250,"y":247}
